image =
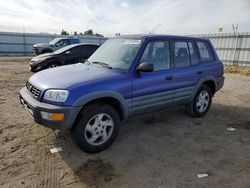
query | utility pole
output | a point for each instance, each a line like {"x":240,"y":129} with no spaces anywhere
{"x":235,"y":28}
{"x":24,"y":42}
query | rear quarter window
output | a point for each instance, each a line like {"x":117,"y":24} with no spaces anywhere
{"x":205,"y":51}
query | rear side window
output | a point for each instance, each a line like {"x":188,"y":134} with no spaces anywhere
{"x":193,"y":53}
{"x":77,"y":50}
{"x":181,"y":54}
{"x":205,"y":51}
{"x":90,"y":49}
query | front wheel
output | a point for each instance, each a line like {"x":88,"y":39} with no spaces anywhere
{"x":96,"y":128}
{"x":52,"y":65}
{"x":201,"y":102}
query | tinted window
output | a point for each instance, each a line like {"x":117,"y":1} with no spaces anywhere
{"x":157,"y":53}
{"x":92,"y":49}
{"x":205,"y":51}
{"x":181,"y":54}
{"x":193,"y":54}
{"x":77,"y":50}
{"x":87,"y":50}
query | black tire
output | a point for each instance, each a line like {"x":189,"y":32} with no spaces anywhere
{"x":85,"y":117}
{"x":52,"y":65}
{"x":192,"y":108}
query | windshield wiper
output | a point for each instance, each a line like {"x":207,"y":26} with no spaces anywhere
{"x":102,"y":63}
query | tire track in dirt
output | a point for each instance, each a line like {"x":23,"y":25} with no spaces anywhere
{"x":49,"y":177}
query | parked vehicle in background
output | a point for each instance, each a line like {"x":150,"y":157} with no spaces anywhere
{"x":68,"y":55}
{"x":125,"y":77}
{"x":54,"y":45}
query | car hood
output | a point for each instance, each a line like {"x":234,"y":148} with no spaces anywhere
{"x":43,"y":56}
{"x":40,"y":45}
{"x":67,"y":76}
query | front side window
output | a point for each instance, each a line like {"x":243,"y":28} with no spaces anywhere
{"x":118,"y":53}
{"x":62,"y":42}
{"x":157,"y":53}
{"x":54,"y":41}
{"x":205,"y":51}
{"x":181,"y":54}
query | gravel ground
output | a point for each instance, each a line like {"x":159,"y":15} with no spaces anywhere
{"x":165,"y":149}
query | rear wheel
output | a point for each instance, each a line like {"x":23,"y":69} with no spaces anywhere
{"x":201,"y":102}
{"x":96,"y":128}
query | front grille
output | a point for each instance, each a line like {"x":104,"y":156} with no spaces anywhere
{"x":33,"y":90}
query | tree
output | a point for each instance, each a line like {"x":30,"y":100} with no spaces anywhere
{"x":89,"y":32}
{"x":64,"y":32}
{"x":75,"y":32}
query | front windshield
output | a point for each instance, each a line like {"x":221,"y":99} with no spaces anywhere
{"x":117,"y":53}
{"x":64,"y":49}
{"x":54,"y":41}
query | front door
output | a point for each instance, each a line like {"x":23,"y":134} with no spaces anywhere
{"x":153,"y":90}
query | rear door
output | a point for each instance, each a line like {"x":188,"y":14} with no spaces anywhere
{"x":153,"y":90}
{"x":188,"y":70}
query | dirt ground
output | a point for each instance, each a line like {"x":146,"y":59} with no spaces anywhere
{"x":165,"y":149}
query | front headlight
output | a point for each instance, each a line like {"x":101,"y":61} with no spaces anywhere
{"x":36,"y":61}
{"x":56,"y":95}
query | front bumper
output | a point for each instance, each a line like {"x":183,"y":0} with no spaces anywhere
{"x":35,"y":68}
{"x":34,"y":109}
{"x":36,"y":51}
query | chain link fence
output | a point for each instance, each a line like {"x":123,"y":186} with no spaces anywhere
{"x":233,"y":49}
{"x":20,"y":44}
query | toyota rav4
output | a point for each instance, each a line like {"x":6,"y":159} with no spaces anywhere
{"x":127,"y":76}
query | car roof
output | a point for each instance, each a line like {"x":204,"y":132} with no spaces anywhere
{"x":74,"y":38}
{"x":83,"y":44}
{"x":154,"y":36}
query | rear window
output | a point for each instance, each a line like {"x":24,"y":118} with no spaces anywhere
{"x":205,"y":51}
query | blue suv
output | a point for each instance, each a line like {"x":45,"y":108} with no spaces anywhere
{"x":127,"y":76}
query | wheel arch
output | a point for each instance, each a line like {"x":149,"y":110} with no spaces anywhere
{"x":46,"y":50}
{"x":111,"y":98}
{"x":211,"y":85}
{"x":209,"y":81}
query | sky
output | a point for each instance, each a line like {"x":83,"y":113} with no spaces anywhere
{"x":108,"y":17}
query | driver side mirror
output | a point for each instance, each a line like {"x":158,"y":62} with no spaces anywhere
{"x":67,"y":53}
{"x":145,"y":67}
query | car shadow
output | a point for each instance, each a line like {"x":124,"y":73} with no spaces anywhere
{"x":153,"y":144}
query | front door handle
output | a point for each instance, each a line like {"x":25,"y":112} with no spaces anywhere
{"x":169,"y":78}
{"x":199,"y":72}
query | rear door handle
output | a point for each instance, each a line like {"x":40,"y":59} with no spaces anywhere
{"x":199,"y":72}
{"x":169,"y":78}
